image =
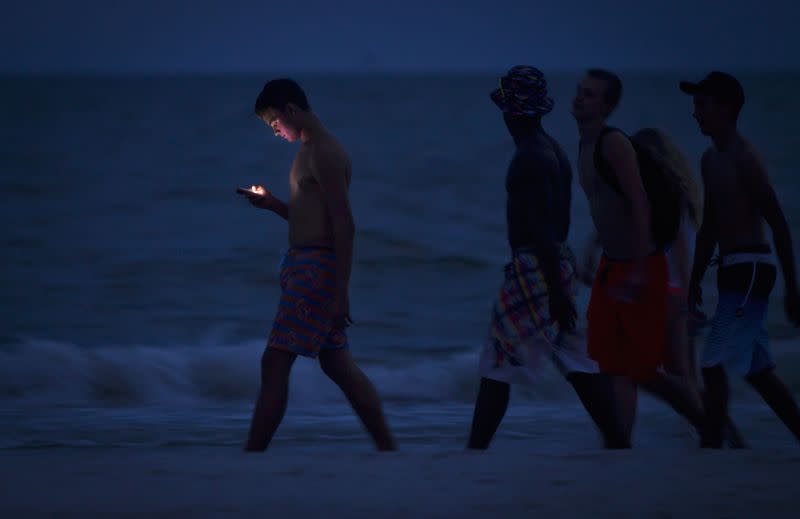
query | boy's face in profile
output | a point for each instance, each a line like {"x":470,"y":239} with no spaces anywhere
{"x":281,"y":122}
{"x":711,"y":115}
{"x":589,"y":102}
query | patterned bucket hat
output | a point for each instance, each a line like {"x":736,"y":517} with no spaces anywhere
{"x":523,"y":91}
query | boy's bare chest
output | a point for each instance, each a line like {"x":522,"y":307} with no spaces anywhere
{"x":301,"y":177}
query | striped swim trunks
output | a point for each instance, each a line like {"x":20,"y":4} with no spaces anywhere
{"x":302,"y":324}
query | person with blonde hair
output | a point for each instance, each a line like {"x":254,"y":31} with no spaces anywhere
{"x":680,"y":359}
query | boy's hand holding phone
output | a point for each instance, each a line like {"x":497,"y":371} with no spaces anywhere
{"x":259,"y":196}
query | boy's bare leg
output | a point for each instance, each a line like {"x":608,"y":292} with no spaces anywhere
{"x":778,"y":397}
{"x":595,"y":393}
{"x":624,"y":396}
{"x":339,"y":366}
{"x":731,"y":434}
{"x":733,"y":437}
{"x":272,"y":397}
{"x":681,"y":362}
{"x":678,"y":394}
{"x":490,"y":408}
{"x":716,"y":403}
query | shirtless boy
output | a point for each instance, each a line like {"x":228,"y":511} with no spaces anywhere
{"x":313,"y":312}
{"x":739,"y":198}
{"x":627,"y":314}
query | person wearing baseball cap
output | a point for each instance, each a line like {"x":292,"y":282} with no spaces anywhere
{"x":716,"y":92}
{"x":739,"y":199}
{"x":533,"y":318}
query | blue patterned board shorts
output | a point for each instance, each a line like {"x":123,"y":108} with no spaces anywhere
{"x":738,"y":338}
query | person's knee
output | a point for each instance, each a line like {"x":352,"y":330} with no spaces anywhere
{"x":494,"y":387}
{"x":590,"y":384}
{"x":714,"y":375}
{"x":275,"y":365}
{"x":758,"y":378}
{"x":576,"y":377}
{"x":334,"y":369}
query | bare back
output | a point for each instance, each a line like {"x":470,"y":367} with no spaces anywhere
{"x":309,"y":220}
{"x":739,"y":222}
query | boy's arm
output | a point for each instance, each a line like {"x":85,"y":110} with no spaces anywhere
{"x":680,"y":255}
{"x":620,"y":155}
{"x":264,"y":199}
{"x":280,"y":208}
{"x":707,"y":238}
{"x":753,"y":174}
{"x":330,"y":170}
{"x":588,"y":266}
{"x":532,"y":180}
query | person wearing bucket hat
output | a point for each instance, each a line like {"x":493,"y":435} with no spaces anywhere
{"x":523,"y":92}
{"x":739,"y":199}
{"x":534,"y":315}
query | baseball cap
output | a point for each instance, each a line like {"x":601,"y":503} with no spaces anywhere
{"x":718,"y":85}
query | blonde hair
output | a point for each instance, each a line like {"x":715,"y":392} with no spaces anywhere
{"x":670,"y":158}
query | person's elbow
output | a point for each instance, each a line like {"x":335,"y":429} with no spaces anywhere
{"x":776,"y":221}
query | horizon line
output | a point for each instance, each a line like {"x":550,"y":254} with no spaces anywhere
{"x":370,"y":71}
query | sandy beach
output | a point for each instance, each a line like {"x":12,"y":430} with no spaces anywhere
{"x":510,"y":481}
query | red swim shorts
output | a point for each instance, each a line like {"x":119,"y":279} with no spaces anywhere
{"x":627,"y":337}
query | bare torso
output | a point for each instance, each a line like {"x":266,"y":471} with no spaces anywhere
{"x":309,"y":221}
{"x":612,"y":214}
{"x":538,"y":184}
{"x":739,"y":222}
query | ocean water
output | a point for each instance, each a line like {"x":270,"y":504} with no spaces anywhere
{"x":138,"y":289}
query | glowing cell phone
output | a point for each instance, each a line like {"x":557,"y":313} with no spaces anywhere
{"x":250,"y":190}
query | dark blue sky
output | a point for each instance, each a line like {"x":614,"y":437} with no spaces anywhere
{"x":42,"y":36}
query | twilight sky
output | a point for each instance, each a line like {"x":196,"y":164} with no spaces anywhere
{"x":46,"y":36}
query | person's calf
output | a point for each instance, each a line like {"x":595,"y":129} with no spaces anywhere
{"x":361,"y":393}
{"x":625,"y":396}
{"x":778,"y":397}
{"x":732,"y":436}
{"x":716,"y":406}
{"x":490,"y":408}
{"x":355,"y":385}
{"x":595,"y":393}
{"x":678,"y":393}
{"x":272,"y":397}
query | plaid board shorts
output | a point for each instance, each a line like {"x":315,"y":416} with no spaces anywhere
{"x":522,"y":334}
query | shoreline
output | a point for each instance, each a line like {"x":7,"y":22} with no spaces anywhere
{"x":507,"y":481}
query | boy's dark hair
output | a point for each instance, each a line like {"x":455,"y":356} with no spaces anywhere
{"x":277,"y":93}
{"x":614,"y":88}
